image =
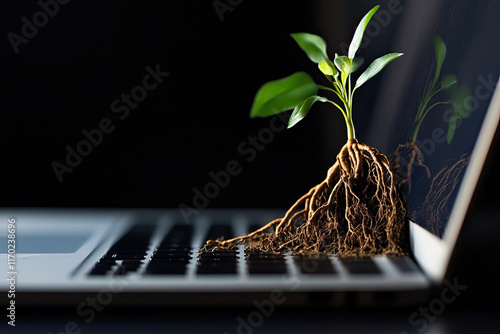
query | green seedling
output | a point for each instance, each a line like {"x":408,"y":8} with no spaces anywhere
{"x":357,"y":209}
{"x":430,"y":99}
{"x":446,"y":83}
{"x":299,"y":91}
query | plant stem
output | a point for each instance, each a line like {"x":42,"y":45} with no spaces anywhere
{"x":414,"y":133}
{"x":423,"y":110}
{"x":351,"y":134}
{"x":344,"y":92}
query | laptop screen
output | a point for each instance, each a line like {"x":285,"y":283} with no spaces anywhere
{"x":433,"y":128}
{"x":147,"y":104}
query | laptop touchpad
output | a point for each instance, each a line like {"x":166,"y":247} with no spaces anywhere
{"x":43,"y":244}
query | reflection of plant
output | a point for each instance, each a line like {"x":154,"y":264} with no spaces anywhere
{"x":434,"y":208}
{"x":447,"y":83}
{"x":357,"y":209}
{"x":457,"y":95}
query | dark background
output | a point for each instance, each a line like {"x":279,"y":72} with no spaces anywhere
{"x":64,"y":79}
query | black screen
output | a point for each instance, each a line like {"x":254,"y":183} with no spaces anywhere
{"x":469,"y":30}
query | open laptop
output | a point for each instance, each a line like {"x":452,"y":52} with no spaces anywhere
{"x":151,"y":257}
{"x":89,"y":258}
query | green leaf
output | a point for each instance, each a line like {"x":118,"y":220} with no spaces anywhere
{"x":344,"y":65}
{"x":458,"y":95}
{"x":375,"y":67}
{"x":313,"y":45}
{"x":440,"y":49}
{"x":452,"y":125}
{"x":356,"y":64}
{"x":283,"y":94}
{"x":332,"y":65}
{"x":448,"y":80}
{"x":326,"y":69}
{"x":358,"y":34}
{"x":302,"y":109}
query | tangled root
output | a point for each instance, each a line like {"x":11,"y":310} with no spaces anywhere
{"x":434,"y":209}
{"x":405,"y":157}
{"x":356,"y":211}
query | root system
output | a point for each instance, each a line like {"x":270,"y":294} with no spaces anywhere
{"x":356,"y":211}
{"x":434,"y":209}
{"x":405,"y":158}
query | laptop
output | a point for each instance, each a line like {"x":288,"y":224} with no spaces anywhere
{"x":151,"y":257}
{"x":91,"y":258}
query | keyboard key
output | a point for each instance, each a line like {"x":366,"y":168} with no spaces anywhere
{"x":131,"y":264}
{"x":124,"y":256}
{"x":268,"y":257}
{"x":206,"y":258}
{"x":111,"y":261}
{"x":266,"y":268}
{"x":265,"y":263}
{"x":171,"y":254}
{"x":360,"y":266}
{"x":216,"y":268}
{"x":219,"y":252}
{"x":185,"y":250}
{"x":404,"y":264}
{"x":218,"y":262}
{"x":169,"y":259}
{"x":225,"y":259}
{"x":178,"y":237}
{"x":218,"y":256}
{"x":136,"y":240}
{"x":314,"y":264}
{"x":162,"y":268}
{"x":174,"y":252}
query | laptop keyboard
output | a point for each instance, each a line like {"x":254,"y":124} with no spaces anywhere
{"x":173,"y":255}
{"x":130,"y":250}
